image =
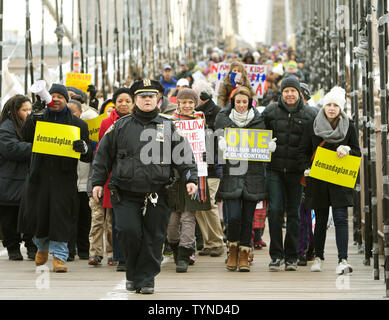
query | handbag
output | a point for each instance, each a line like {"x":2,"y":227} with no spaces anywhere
{"x":302,"y":181}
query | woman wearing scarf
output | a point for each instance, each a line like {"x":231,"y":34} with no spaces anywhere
{"x":242,"y":185}
{"x":332,"y":130}
{"x":182,"y":223}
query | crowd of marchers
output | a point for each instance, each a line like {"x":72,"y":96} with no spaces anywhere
{"x":110,"y":205}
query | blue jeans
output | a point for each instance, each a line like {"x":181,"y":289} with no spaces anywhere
{"x":340,"y":216}
{"x":240,"y":220}
{"x":57,"y":249}
{"x":285,"y":193}
{"x":117,"y":253}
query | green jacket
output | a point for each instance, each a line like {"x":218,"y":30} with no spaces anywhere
{"x":180,"y":200}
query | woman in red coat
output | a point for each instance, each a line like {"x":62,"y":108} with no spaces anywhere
{"x":123,"y":106}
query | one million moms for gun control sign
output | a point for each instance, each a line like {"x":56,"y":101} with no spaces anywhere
{"x":247,"y":144}
{"x":194,"y":131}
{"x":328,"y":167}
{"x":55,"y":139}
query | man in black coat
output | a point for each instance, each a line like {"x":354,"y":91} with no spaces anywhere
{"x":139,"y":152}
{"x":287,"y":118}
{"x":48,"y":202}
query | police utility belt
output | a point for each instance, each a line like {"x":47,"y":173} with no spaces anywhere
{"x":149,"y":197}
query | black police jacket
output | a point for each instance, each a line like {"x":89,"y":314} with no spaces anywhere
{"x":139,"y":159}
{"x":288,"y":127}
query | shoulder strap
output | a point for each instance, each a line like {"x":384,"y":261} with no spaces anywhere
{"x":320,"y":145}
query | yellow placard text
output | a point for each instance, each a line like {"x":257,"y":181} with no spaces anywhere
{"x":94,"y":126}
{"x":328,"y":167}
{"x":55,"y":139}
{"x":78,"y":80}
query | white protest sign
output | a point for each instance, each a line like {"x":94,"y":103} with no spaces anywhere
{"x":256,"y":75}
{"x":194,"y":131}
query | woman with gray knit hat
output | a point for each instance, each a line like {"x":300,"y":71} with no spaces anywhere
{"x":332,"y":130}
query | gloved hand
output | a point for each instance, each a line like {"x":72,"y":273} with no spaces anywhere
{"x":343,"y":151}
{"x":222,"y":144}
{"x":204,"y":96}
{"x":307,"y":172}
{"x":80,"y":146}
{"x":92,"y":90}
{"x":93,"y":101}
{"x":272,"y":145}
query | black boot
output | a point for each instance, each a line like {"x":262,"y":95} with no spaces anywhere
{"x":174,"y":247}
{"x":14,"y":253}
{"x":183,"y":259}
{"x":310,"y":255}
{"x":30,"y":245}
{"x":31,"y":252}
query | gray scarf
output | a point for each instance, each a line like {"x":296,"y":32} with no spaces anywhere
{"x":242,"y":119}
{"x":323,"y":129}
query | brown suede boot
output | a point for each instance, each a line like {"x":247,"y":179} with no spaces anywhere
{"x":233,"y":251}
{"x":59,"y":265}
{"x":41,"y":257}
{"x":244,"y":259}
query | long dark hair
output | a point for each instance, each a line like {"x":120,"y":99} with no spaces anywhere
{"x":10,"y":111}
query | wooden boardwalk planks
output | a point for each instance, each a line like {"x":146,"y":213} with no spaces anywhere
{"x":207,"y":279}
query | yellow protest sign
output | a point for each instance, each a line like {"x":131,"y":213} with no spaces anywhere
{"x":328,"y":167}
{"x":55,"y":139}
{"x":247,"y":144}
{"x":318,"y":95}
{"x":94,"y":126}
{"x":78,"y":80}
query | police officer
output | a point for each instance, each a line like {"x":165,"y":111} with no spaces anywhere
{"x":137,"y":152}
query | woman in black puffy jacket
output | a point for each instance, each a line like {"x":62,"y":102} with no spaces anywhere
{"x":242,"y":184}
{"x":14,"y":161}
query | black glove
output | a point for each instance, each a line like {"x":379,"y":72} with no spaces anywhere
{"x":204,"y":96}
{"x":94,"y":103}
{"x":92,"y":90}
{"x":38,"y":105}
{"x":80,"y":146}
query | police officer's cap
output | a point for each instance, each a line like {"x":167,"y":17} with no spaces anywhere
{"x":145,"y":87}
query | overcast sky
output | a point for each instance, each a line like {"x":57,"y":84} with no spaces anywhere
{"x":252,"y":20}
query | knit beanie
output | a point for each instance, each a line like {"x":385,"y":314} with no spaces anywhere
{"x":188,"y":93}
{"x":60,"y":89}
{"x":78,"y":91}
{"x":337,"y":95}
{"x":292,"y":64}
{"x":290,"y":82}
{"x":119,"y":91}
{"x":305,"y":90}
